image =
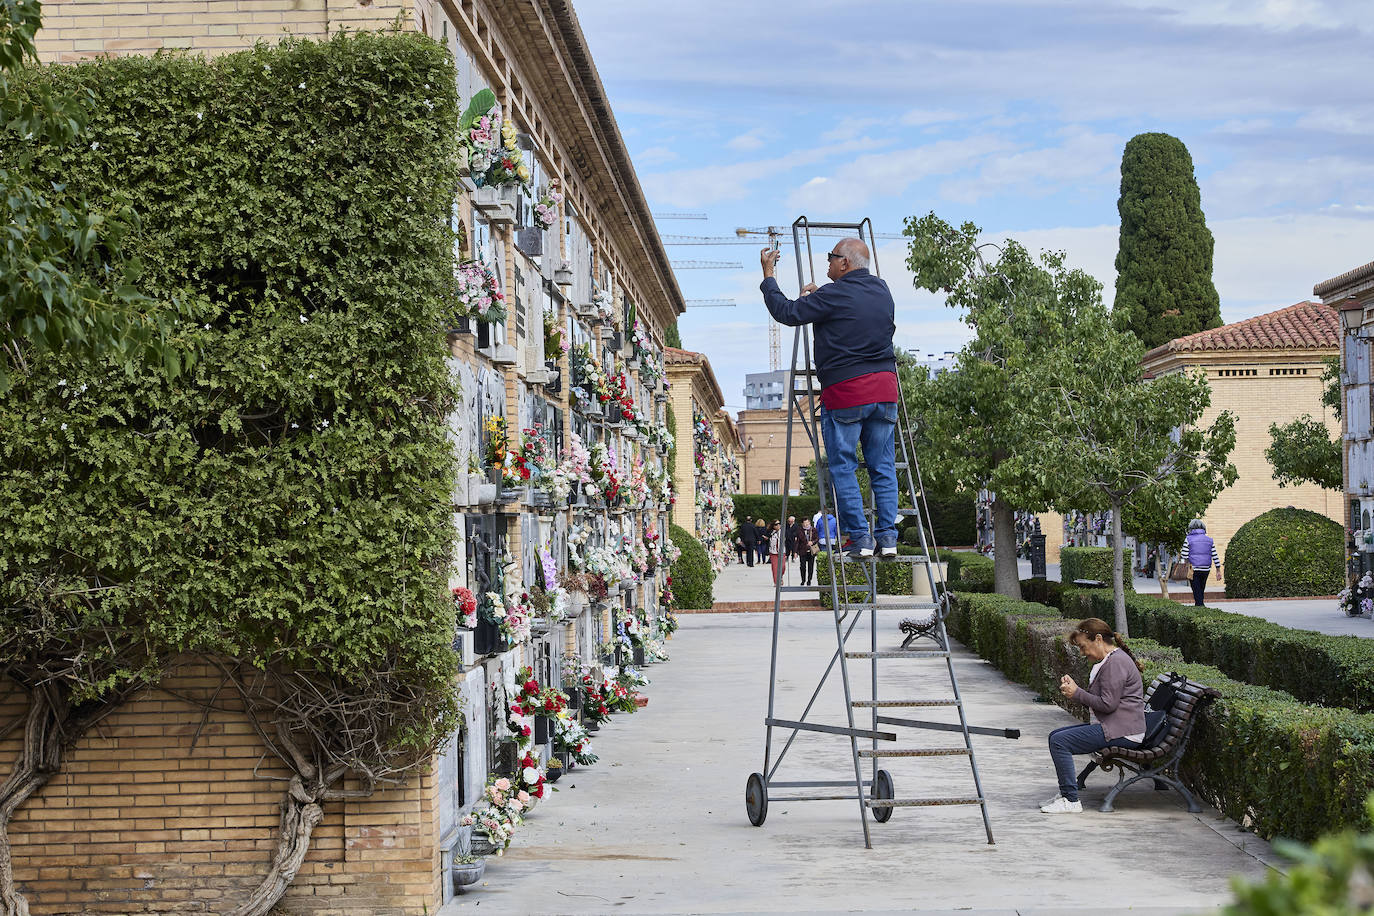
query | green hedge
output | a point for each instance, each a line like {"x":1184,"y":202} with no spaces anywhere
{"x":953,"y":518}
{"x":964,"y":569}
{"x":1285,"y":553}
{"x":1092,"y":563}
{"x":756,"y":506}
{"x":1329,"y":670}
{"x":692,"y":574}
{"x":286,"y":502}
{"x":1263,"y":758}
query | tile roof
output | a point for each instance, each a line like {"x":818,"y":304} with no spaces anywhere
{"x":1326,"y":287}
{"x":1306,"y":325}
{"x":675,"y":357}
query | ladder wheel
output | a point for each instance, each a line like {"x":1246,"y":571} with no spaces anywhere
{"x":882,"y":788}
{"x":756,"y":799}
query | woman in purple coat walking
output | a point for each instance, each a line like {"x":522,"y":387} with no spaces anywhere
{"x":1201,"y":551}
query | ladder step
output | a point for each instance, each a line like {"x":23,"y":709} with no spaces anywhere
{"x":916,"y":752}
{"x":899,"y":653}
{"x":919,"y":802}
{"x":889,"y":704}
{"x":894,"y":606}
{"x":800,"y":588}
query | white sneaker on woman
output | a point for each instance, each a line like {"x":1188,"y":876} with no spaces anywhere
{"x":1062,"y":805}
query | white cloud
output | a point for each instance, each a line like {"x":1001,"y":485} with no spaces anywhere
{"x":751,"y":140}
{"x":702,"y":185}
{"x":656,"y":155}
{"x":889,"y":174}
{"x":1083,"y":158}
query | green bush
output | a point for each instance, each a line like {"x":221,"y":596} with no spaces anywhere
{"x":954,"y":519}
{"x":1092,"y":563}
{"x":1283,"y":767}
{"x":1330,"y":878}
{"x":1043,"y":591}
{"x":1314,"y":667}
{"x":286,"y":503}
{"x":1285,"y":553}
{"x":692,"y":573}
{"x":969,"y":570}
{"x":893,"y":578}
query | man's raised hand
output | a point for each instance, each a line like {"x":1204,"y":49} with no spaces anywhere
{"x":808,"y":289}
{"x":768,"y":259}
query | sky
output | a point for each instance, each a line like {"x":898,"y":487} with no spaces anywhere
{"x":1011,"y":114}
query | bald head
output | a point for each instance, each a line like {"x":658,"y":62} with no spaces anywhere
{"x":853,"y":250}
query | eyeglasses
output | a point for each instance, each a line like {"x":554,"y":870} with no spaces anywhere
{"x":832,"y":256}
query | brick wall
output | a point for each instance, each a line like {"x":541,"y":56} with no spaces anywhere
{"x":766,"y":460}
{"x":76,"y":29}
{"x":167,"y":808}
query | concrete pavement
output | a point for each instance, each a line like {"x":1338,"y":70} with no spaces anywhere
{"x":659,"y":825}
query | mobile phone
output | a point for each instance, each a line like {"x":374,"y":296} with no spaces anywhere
{"x":776,"y":247}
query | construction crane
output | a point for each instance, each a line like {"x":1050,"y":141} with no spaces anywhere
{"x":773,"y":234}
{"x":710,"y":303}
{"x":679,"y":216}
{"x":704,"y":240}
{"x":707,"y":265}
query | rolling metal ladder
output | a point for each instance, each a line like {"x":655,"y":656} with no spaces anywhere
{"x":873,"y":740}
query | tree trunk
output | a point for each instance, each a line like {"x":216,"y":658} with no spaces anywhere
{"x":300,"y":813}
{"x":1118,"y":573}
{"x":1006,"y":577}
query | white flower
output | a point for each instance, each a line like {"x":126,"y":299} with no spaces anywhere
{"x":61,"y":383}
{"x":304,"y":319}
{"x":200,"y":116}
{"x":64,"y":426}
{"x":301,"y":86}
{"x":295,"y":426}
{"x":530,"y":775}
{"x":324,"y":424}
{"x":95,"y":145}
{"x":207,"y":327}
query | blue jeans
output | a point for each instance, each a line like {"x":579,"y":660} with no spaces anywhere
{"x":874,"y":426}
{"x":1077,"y":739}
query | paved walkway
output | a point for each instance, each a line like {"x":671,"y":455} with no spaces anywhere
{"x":659,"y":825}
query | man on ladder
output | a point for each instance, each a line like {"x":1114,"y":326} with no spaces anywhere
{"x":854,"y":319}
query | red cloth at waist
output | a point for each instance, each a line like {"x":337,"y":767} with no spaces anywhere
{"x":873,"y":388}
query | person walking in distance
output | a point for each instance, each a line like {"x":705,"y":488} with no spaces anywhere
{"x":1201,"y":551}
{"x":853,"y":321}
{"x":806,"y":550}
{"x":775,"y":555}
{"x":761,"y":538}
{"x":789,"y":536}
{"x":748,"y":537}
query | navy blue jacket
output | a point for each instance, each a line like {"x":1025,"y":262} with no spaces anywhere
{"x":854,"y":320}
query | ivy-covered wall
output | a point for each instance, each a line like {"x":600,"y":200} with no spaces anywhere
{"x":283,"y":505}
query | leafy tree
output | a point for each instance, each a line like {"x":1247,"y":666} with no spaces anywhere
{"x":1303,"y":451}
{"x":970,"y":422}
{"x":1110,"y":439}
{"x":65,"y":281}
{"x":672,"y":337}
{"x":1164,"y":284}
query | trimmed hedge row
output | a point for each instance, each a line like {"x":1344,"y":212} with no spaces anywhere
{"x":1092,"y":563}
{"x":1282,"y":767}
{"x":965,"y":569}
{"x":1314,"y":667}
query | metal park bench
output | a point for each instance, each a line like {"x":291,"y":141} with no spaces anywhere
{"x":1161,"y":760}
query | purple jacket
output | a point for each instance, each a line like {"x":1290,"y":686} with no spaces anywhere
{"x":1117,"y":695}
{"x":1200,"y":550}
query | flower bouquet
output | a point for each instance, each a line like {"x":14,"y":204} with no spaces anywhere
{"x":479,"y":295}
{"x":465,"y":604}
{"x":546,"y":208}
{"x":504,"y":811}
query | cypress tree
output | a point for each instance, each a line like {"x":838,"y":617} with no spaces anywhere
{"x":1164,"y":284}
{"x":672,"y":337}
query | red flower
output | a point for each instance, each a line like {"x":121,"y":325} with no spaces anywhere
{"x":531,"y":686}
{"x":525,"y":731}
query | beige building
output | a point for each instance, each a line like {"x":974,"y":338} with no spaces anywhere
{"x":764,"y":433}
{"x":707,"y":472}
{"x":1265,"y":370}
{"x":170,"y":806}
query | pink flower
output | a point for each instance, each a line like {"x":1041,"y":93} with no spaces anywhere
{"x":502,"y":784}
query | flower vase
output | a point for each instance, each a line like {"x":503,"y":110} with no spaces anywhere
{"x":465,"y":873}
{"x":461,"y":495}
{"x":542,"y":732}
{"x":482,"y":846}
{"x":639,"y":656}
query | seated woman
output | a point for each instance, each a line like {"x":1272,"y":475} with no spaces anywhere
{"x":1115,"y":697}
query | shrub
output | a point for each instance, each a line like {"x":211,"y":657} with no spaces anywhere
{"x":692,"y":573}
{"x":954,"y":519}
{"x":770,"y":507}
{"x":1284,"y":553}
{"x":1260,"y":756}
{"x":968,"y":570}
{"x":893,"y":578}
{"x":1092,"y":563}
{"x":285,"y":504}
{"x":1314,"y":667}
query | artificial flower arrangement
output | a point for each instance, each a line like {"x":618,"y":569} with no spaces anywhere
{"x":555,"y":338}
{"x":569,"y":737}
{"x":605,"y":472}
{"x":551,"y":604}
{"x":477,"y":133}
{"x":596,"y":692}
{"x":604,"y":304}
{"x":465,"y":605}
{"x":589,"y":380}
{"x":504,"y":811}
{"x":575,"y":468}
{"x":507,"y":165}
{"x":513,"y":620}
{"x":666,"y":597}
{"x":637,"y":485}
{"x":514,"y":469}
{"x":1351,"y":602}
{"x":546,"y":208}
{"x":535,"y":459}
{"x":479,"y":295}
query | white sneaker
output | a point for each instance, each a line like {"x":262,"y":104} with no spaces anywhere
{"x":1062,"y":805}
{"x":1051,"y":800}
